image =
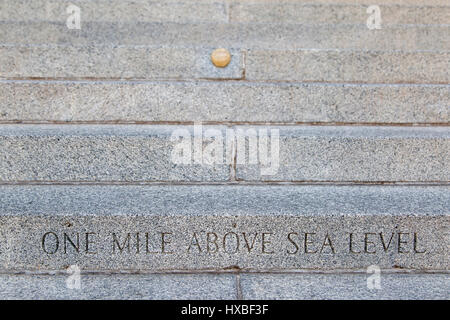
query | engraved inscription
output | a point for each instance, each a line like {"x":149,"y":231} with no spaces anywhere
{"x":234,"y":242}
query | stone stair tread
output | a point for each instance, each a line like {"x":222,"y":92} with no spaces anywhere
{"x":393,"y":286}
{"x":163,"y":63}
{"x":119,"y":286}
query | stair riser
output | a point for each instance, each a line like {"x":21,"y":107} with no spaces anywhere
{"x":142,"y":153}
{"x":222,"y":102}
{"x":223,"y":227}
{"x":114,"y":63}
{"x":56,"y":62}
{"x":345,"y":286}
{"x":248,"y":36}
{"x":120,"y":287}
{"x":116,"y":11}
{"x":197,"y":243}
{"x":237,"y":11}
{"x":395,"y":286}
{"x":314,"y":13}
{"x":348,"y":66}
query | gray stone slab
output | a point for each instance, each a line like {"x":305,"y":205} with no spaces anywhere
{"x":222,"y":102}
{"x":115,"y":11}
{"x":349,"y":66}
{"x":235,"y":35}
{"x":395,"y":286}
{"x":224,"y":200}
{"x":98,"y":153}
{"x":336,"y":12}
{"x":359,"y":2}
{"x":146,"y":153}
{"x":223,"y":227}
{"x":114,"y":62}
{"x":393,"y":12}
{"x":119,"y":286}
{"x":356,"y":154}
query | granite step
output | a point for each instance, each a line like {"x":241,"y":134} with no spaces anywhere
{"x":163,"y":153}
{"x":116,"y":10}
{"x":357,"y":154}
{"x":348,"y":66}
{"x":394,"y":286}
{"x":329,"y":12}
{"x":143,"y":63}
{"x":338,"y":12}
{"x":226,"y":102}
{"x":45,"y":228}
{"x":263,"y":36}
{"x":112,"y":62}
{"x":118,"y":287}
